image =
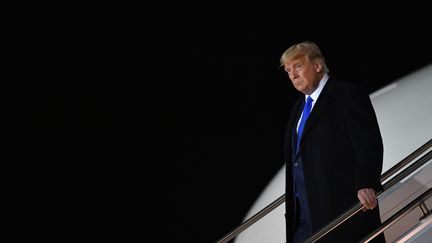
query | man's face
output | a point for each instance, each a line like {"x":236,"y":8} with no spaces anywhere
{"x":304,"y":74}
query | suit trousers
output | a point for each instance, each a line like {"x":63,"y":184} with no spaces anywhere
{"x":303,"y":228}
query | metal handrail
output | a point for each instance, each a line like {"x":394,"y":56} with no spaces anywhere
{"x":399,"y":215}
{"x":349,"y":213}
{"x":357,"y":207}
{"x":252,"y":219}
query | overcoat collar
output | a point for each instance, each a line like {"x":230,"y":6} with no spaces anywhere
{"x":320,"y":105}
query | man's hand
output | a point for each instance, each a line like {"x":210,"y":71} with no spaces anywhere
{"x":368,"y":198}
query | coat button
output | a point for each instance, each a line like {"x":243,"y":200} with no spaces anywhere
{"x":295,"y":164}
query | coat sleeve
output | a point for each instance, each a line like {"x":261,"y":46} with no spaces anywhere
{"x":365,"y":138}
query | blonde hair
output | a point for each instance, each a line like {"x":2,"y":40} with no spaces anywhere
{"x":308,"y":49}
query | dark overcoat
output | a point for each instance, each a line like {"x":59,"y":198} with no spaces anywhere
{"x":342,"y":152}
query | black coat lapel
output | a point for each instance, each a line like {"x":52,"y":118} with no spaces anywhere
{"x":323,"y":99}
{"x":292,"y":124}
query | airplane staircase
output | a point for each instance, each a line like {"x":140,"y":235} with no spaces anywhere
{"x":403,"y":203}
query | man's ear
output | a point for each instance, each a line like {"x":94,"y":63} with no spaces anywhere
{"x":318,"y":66}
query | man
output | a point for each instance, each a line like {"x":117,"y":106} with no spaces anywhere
{"x":333,"y":152}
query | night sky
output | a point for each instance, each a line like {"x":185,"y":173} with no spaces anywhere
{"x":178,"y":128}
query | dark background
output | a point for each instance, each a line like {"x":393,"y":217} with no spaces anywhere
{"x":166,"y":129}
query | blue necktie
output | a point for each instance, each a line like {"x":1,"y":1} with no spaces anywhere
{"x":306,"y":110}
